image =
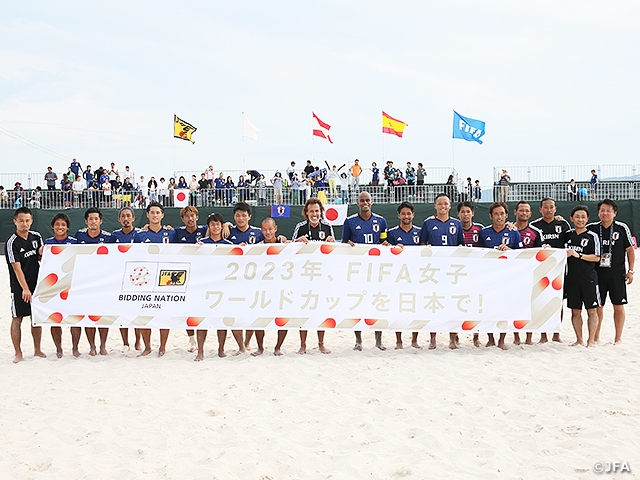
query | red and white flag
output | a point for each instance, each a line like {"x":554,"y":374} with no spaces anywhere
{"x":181,"y":197}
{"x":336,"y":214}
{"x":321,"y":129}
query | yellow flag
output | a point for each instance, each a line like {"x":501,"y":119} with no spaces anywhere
{"x":182,"y":129}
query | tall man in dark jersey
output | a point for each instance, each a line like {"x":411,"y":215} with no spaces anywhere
{"x":442,"y":231}
{"x":368,"y":228}
{"x":613,"y":277}
{"x":581,"y":281}
{"x":156,"y":233}
{"x":553,"y":235}
{"x":126,"y":234}
{"x":93,"y":234}
{"x":406,"y":233}
{"x":60,"y":224}
{"x":22,"y":252}
{"x":498,"y":236}
{"x":313,"y":229}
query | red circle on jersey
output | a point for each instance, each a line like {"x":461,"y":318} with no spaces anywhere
{"x":331,"y":214}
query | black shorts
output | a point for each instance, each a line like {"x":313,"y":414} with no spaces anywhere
{"x":615,"y":286}
{"x":578,"y":295}
{"x":19,"y":308}
{"x":420,"y":182}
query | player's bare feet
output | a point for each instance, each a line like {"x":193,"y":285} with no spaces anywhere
{"x":432,"y":345}
{"x":303,"y":349}
{"x":516,"y":339}
{"x":556,"y":338}
{"x":358,"y":347}
{"x":145,"y":352}
{"x":161,"y":352}
{"x":103,"y":351}
{"x":491,"y":342}
{"x":59,"y":353}
{"x":416,"y":345}
{"x":529,"y":339}
{"x":199,"y":357}
{"x":577,"y":342}
{"x":192,"y":345}
{"x":39,"y":353}
{"x":76,"y":352}
{"x":260,"y":351}
{"x":277,"y":352}
{"x":399,"y":345}
{"x":92,"y":351}
{"x":221,"y":354}
{"x":476,"y":340}
{"x":501,"y":345}
{"x":617,"y":341}
{"x":381,"y":346}
{"x":452,"y":344}
{"x":591,"y":344}
{"x":138,"y":346}
{"x":323,"y":349}
{"x":125,"y":349}
{"x":543,"y":338}
{"x":17,"y":358}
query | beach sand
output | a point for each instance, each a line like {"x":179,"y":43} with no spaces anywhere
{"x":543,"y":411}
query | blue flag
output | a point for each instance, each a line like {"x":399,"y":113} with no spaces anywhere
{"x":280,"y":211}
{"x":467,"y":128}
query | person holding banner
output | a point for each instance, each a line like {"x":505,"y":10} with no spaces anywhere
{"x":368,"y":228}
{"x":126,"y":234}
{"x":22,"y":252}
{"x":405,"y":234}
{"x":442,"y":231}
{"x":499,"y":237}
{"x":156,"y":233}
{"x":581,"y":280}
{"x":93,"y":234}
{"x":60,"y":224}
{"x":313,"y":229}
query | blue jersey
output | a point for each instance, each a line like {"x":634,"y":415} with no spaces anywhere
{"x":162,"y":236}
{"x":224,"y":241}
{"x":359,"y":230}
{"x":82,"y":236}
{"x":491,"y":239}
{"x":118,"y":236}
{"x":397,"y":236}
{"x":442,"y":234}
{"x":251,"y":235}
{"x":182,"y":236}
{"x":66,"y":241}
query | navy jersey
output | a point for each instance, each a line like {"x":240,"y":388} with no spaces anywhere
{"x":65,"y":241}
{"x":24,"y":252}
{"x":613,"y":240}
{"x":223,"y":241}
{"x":118,"y":236}
{"x":359,"y":230}
{"x":553,"y":233}
{"x":472,"y":235}
{"x":182,"y":236}
{"x":491,"y":239}
{"x":250,"y":236}
{"x":578,"y":270}
{"x":82,"y":236}
{"x":442,"y":234}
{"x":161,"y":236}
{"x":531,"y":237}
{"x":397,"y":236}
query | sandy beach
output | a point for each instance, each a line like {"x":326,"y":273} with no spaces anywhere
{"x":541,"y":411}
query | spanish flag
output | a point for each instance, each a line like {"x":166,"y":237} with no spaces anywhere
{"x":392,"y":126}
{"x":182,"y":129}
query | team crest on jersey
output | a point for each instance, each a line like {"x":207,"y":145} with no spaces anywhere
{"x":584,"y":242}
{"x":475,"y":237}
{"x":321,"y":235}
{"x":252,"y":239}
{"x":165,"y":239}
{"x":452,"y":229}
{"x":526,"y":240}
{"x":558,"y":228}
{"x":34,"y":243}
{"x":376,"y":227}
{"x":416,"y":239}
{"x":172,"y":277}
{"x":615,"y":236}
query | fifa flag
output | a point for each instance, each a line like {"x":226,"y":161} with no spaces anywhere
{"x":467,"y":128}
{"x":181,"y":197}
{"x":321,"y":129}
{"x":182,"y":129}
{"x":249,"y":130}
{"x":336,"y":214}
{"x":391,"y":125}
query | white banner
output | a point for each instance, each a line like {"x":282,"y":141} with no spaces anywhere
{"x":301,"y":286}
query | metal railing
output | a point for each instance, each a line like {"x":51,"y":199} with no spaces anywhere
{"x":564,"y":173}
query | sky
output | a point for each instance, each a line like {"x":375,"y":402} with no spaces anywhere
{"x":557,"y":83}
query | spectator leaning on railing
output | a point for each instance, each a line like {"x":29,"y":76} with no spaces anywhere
{"x":51,"y":178}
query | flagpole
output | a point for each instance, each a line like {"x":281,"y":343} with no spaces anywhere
{"x":382,"y":148}
{"x":313,"y":142}
{"x":244,"y":166}
{"x":174,"y":156}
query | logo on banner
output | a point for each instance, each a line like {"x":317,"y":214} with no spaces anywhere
{"x":140,"y":276}
{"x":172,"y":277}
